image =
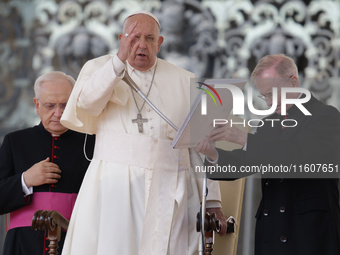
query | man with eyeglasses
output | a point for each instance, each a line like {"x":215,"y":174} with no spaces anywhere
{"x":41,"y":168}
{"x":299,"y":211}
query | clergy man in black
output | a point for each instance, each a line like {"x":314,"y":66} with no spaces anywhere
{"x":41,"y":168}
{"x":298,"y":214}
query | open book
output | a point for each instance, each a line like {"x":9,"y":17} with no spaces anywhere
{"x":213,"y":101}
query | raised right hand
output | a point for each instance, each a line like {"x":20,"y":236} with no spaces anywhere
{"x":126,"y":42}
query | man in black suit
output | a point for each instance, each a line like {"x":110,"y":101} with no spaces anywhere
{"x":298,"y":214}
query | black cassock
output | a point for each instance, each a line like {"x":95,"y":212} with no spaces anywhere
{"x":21,"y":150}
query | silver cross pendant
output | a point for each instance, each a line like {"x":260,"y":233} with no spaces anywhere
{"x":139,"y":120}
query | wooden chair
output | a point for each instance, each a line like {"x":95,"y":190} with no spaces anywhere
{"x":52,"y":222}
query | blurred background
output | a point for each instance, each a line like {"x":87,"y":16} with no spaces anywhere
{"x":213,"y":39}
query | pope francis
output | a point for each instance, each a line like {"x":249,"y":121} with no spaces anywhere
{"x":139,"y":195}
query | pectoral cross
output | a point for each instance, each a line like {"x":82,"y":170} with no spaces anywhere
{"x":140,"y":122}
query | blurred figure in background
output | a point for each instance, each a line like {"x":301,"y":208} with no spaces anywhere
{"x":296,"y":216}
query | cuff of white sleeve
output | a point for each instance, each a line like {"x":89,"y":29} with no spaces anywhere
{"x":214,"y":204}
{"x":27,"y":191}
{"x":212,"y":161}
{"x":118,"y":66}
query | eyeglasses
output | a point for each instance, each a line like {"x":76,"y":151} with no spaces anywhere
{"x":53,"y":107}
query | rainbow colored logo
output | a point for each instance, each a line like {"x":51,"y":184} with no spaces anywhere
{"x":208,"y":92}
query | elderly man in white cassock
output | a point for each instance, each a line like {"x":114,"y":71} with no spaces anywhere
{"x":139,"y":195}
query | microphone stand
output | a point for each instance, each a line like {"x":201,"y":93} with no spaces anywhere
{"x":128,"y":80}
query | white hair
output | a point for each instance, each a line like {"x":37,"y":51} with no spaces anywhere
{"x":284,"y":66}
{"x":51,"y":76}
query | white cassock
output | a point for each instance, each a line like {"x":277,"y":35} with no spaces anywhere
{"x":139,"y":195}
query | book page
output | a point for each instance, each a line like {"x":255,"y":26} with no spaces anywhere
{"x":207,"y":107}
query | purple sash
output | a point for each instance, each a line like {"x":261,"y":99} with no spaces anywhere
{"x":61,"y":202}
